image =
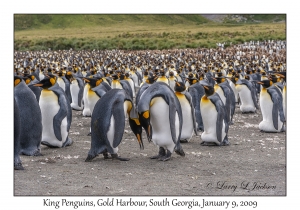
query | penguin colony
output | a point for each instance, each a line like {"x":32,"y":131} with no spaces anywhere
{"x":171,"y":95}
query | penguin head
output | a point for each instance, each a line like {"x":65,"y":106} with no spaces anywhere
{"x":208,"y":88}
{"x":94,"y":81}
{"x":47,"y":82}
{"x":179,"y":87}
{"x":219,"y":79}
{"x":27,"y":79}
{"x":114,"y":76}
{"x":171,"y":74}
{"x":69,"y":76}
{"x":273,"y":78}
{"x":135,"y":125}
{"x":265,"y":83}
{"x":235,"y":78}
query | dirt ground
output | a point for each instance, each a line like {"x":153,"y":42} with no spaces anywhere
{"x":254,"y":164}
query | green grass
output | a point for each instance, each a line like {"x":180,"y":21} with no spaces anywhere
{"x":135,"y":32}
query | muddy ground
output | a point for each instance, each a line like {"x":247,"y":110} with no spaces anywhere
{"x":254,"y":164}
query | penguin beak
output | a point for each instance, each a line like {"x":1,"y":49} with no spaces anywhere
{"x":206,"y":87}
{"x":260,"y":82}
{"x":137,"y":130}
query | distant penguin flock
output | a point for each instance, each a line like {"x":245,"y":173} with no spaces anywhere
{"x":171,"y":95}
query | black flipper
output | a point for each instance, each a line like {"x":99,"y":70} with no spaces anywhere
{"x":118,"y":113}
{"x":126,"y":86}
{"x":197,"y":91}
{"x":276,"y":97}
{"x":216,"y":100}
{"x":189,"y":98}
{"x":80,"y":93}
{"x":64,"y":111}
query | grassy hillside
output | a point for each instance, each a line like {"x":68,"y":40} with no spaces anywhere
{"x":38,"y":21}
{"x":137,"y":32}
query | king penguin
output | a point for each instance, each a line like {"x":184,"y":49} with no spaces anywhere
{"x":172,"y":80}
{"x":247,"y":94}
{"x":17,"y":127}
{"x":115,"y":83}
{"x":30,"y":118}
{"x":214,"y":117}
{"x":76,"y":90}
{"x":197,"y":91}
{"x":188,"y":112}
{"x":30,"y":81}
{"x":108,"y":123}
{"x":226,"y":94}
{"x":160,"y":115}
{"x":56,"y":113}
{"x":91,"y":96}
{"x":270,"y":100}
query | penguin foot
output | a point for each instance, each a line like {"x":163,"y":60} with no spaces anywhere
{"x":69,"y":142}
{"x":37,"y":153}
{"x":105,"y":155}
{"x":89,"y":134}
{"x":166,"y":157}
{"x":90,"y":158}
{"x":231,"y":123}
{"x":116,"y":156}
{"x":161,"y":153}
{"x":18,"y":166}
{"x":225,"y":142}
{"x":204,"y":143}
{"x":179,"y":151}
{"x":184,"y":141}
{"x":48,"y":145}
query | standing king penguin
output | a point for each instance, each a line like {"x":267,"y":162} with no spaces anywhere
{"x":30,"y":118}
{"x":17,"y":127}
{"x":188,"y":112}
{"x":108,"y":123}
{"x":161,"y":116}
{"x":56,"y":113}
{"x":247,"y":95}
{"x":270,"y":100}
{"x":76,"y":91}
{"x":214,"y":117}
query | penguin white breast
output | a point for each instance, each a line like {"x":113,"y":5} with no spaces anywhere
{"x":74,"y":88}
{"x":61,"y":83}
{"x":266,"y":106}
{"x":132,"y":86}
{"x":220,"y":91}
{"x":159,"y":119}
{"x":115,"y":84}
{"x":209,"y":117}
{"x":172,"y":84}
{"x":111,"y":133}
{"x":92,"y":99}
{"x":247,"y":104}
{"x":135,"y":79}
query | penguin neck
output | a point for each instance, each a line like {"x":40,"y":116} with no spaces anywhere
{"x":179,"y":93}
